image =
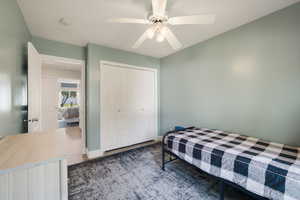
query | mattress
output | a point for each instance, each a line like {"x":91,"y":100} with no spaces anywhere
{"x":267,"y":169}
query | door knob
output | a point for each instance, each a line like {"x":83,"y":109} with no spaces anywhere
{"x":34,"y":119}
{"x":31,"y":120}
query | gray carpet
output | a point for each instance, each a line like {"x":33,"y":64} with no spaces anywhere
{"x":136,"y":175}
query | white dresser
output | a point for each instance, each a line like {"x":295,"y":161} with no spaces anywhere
{"x":32,"y":167}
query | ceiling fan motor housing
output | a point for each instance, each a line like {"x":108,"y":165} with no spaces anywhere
{"x":157,"y":19}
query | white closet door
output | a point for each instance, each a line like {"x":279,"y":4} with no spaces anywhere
{"x":128,"y":106}
{"x":110,"y":94}
{"x":140,"y":105}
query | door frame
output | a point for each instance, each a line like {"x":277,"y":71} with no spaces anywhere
{"x":82,"y":112}
{"x":122,"y":65}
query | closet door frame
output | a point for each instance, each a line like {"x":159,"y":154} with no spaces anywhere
{"x":122,"y":65}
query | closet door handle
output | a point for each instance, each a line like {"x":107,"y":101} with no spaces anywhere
{"x":31,"y":120}
{"x":35,"y":119}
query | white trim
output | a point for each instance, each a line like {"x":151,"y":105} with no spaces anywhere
{"x":82,"y":108}
{"x":69,"y":80}
{"x":103,"y":62}
{"x":63,"y":180}
{"x":94,"y":154}
{"x":159,"y":138}
{"x":48,"y":59}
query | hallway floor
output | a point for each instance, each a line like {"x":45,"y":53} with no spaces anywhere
{"x":74,"y":145}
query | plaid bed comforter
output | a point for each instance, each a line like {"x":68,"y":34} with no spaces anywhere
{"x":267,"y":169}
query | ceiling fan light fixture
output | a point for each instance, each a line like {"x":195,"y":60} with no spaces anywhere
{"x":151,"y":33}
{"x":163,"y":30}
{"x":160,"y":37}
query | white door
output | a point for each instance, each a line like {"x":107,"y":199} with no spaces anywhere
{"x":50,"y":98}
{"x":34,"y":89}
{"x":111,"y":115}
{"x":139,"y":106}
{"x":128,"y":106}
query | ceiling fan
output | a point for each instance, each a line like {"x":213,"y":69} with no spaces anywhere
{"x":159,"y":21}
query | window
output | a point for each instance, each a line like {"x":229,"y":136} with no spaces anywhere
{"x":69,"y":95}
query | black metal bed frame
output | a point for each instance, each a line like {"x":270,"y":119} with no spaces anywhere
{"x":222,"y":182}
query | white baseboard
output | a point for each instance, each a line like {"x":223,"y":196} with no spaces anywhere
{"x":94,"y":154}
{"x":98,"y":153}
{"x":159,"y":138}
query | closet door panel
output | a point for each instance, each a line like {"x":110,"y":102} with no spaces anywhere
{"x":110,"y":106}
{"x":124,"y":122}
{"x":140,"y":104}
{"x":132,"y":103}
{"x":146,"y":111}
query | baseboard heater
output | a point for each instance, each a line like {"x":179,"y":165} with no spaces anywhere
{"x":130,"y":146}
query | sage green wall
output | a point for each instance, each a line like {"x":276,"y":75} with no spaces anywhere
{"x":13,"y":98}
{"x":95,"y":54}
{"x":60,"y":49}
{"x":92,"y":54}
{"x":246,"y":80}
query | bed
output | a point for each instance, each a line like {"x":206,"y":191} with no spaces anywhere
{"x":266,"y":170}
{"x":71,"y":115}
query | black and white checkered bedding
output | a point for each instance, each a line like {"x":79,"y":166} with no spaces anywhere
{"x":267,"y":169}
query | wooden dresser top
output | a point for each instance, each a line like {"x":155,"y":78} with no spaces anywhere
{"x":23,"y":149}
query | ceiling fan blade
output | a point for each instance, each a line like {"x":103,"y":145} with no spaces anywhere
{"x":194,"y":19}
{"x":141,"y":39}
{"x":172,"y":39}
{"x":128,"y":21}
{"x":159,"y":7}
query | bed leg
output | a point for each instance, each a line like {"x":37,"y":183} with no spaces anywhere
{"x":221,"y":184}
{"x":163,"y":156}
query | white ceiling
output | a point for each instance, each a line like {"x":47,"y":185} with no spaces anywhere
{"x":88,"y":17}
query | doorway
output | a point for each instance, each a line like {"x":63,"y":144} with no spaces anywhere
{"x":56,"y":100}
{"x":63,"y":96}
